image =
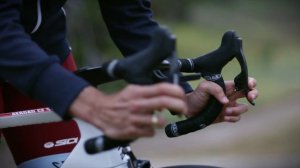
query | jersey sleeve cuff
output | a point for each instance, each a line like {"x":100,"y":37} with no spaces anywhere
{"x":57,"y":88}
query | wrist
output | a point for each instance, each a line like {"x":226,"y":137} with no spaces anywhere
{"x":84,"y":103}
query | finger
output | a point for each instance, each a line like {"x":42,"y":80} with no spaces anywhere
{"x":251,"y":83}
{"x":232,"y":118}
{"x":236,"y":95}
{"x":145,"y":129}
{"x":214,"y":89}
{"x":147,"y":121}
{"x":145,"y":132}
{"x":136,"y":91}
{"x":99,"y":123}
{"x":157,"y":103}
{"x":230,"y":87}
{"x":252,"y":95}
{"x":236,"y":110}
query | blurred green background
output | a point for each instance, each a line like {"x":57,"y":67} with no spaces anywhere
{"x":269,"y":29}
{"x":268,"y":135}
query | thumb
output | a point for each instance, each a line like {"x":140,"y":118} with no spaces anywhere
{"x":215,"y":90}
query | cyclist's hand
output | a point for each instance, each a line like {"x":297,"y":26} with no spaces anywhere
{"x":198,"y":99}
{"x":233,"y":110}
{"x":128,"y":114}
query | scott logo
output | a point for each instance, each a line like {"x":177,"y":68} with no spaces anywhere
{"x":61,"y":142}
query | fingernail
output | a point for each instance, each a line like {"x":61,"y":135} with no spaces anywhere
{"x":225,"y":100}
{"x":226,"y":118}
{"x":228,"y":111}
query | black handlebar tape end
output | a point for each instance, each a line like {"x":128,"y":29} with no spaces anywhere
{"x":112,"y":143}
{"x":171,"y":130}
{"x":205,"y":118}
{"x":103,"y":143}
{"x":185,"y":127}
{"x":196,"y":123}
{"x":94,"y":145}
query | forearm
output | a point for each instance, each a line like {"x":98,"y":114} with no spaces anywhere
{"x":30,"y":69}
{"x":129,"y":22}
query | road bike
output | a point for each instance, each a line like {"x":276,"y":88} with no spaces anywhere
{"x":93,"y":149}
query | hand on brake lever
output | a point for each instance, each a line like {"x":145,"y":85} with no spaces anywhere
{"x":232,"y":110}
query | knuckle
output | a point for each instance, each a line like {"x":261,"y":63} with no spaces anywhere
{"x":242,"y":109}
{"x":117,"y":120}
{"x":218,"y":90}
{"x":163,"y":101}
{"x":111,"y":133}
{"x":163,"y":87}
{"x":128,"y":88}
{"x":204,"y":85}
{"x":134,"y":106}
{"x":133,"y":88}
{"x":131,"y":132}
{"x":211,"y":88}
{"x":134,"y":120}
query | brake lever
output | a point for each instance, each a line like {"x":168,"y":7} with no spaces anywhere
{"x":241,"y":80}
{"x":210,"y":66}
